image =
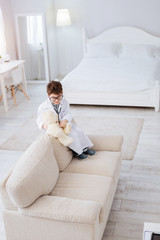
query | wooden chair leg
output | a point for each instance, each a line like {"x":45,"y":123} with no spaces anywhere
{"x":12,"y":89}
{"x":1,"y":97}
{"x":23,"y":92}
{"x":12,"y":92}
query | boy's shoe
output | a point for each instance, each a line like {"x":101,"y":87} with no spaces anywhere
{"x":89,"y":152}
{"x":82,"y":156}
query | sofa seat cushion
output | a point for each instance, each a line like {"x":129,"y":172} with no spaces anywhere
{"x":102,"y":163}
{"x":35,"y":174}
{"x":85,"y":187}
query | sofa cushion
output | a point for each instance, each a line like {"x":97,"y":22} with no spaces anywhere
{"x":95,"y":188}
{"x":62,"y":154}
{"x":35,"y":174}
{"x":102,"y":163}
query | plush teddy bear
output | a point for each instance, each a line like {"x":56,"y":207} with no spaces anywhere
{"x":51,"y":120}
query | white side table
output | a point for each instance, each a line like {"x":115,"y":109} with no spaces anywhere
{"x":149,"y":228}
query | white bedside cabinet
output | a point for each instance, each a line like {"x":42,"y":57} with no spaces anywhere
{"x":149,"y":228}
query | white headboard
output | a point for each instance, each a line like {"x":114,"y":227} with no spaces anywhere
{"x":123,"y":35}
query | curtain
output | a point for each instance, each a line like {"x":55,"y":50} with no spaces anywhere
{"x":2,"y":36}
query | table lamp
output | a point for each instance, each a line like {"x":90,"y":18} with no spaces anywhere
{"x":63,"y":17}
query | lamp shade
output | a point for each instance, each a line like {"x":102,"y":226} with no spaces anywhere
{"x":63,"y":17}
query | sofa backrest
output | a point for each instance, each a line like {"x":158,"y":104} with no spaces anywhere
{"x":62,"y":154}
{"x":35,"y":174}
{"x":7,"y":203}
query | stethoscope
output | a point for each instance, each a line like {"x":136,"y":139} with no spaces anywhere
{"x":57,"y":110}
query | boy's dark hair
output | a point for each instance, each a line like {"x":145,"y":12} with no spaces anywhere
{"x":54,"y":87}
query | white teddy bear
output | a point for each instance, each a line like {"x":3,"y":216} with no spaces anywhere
{"x":53,"y":129}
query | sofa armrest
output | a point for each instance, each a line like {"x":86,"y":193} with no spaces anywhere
{"x":63,"y":209}
{"x":106,"y":143}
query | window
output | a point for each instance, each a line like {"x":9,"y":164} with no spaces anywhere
{"x":2,"y":36}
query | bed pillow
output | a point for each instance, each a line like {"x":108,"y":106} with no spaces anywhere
{"x":138,"y":50}
{"x":103,"y":50}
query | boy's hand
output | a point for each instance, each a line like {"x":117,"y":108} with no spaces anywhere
{"x":44,"y":126}
{"x":63,"y":123}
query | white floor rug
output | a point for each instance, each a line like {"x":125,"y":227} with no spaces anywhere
{"x":129,"y":128}
{"x":23,"y":137}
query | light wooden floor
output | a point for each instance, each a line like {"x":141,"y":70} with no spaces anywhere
{"x":138,"y":194}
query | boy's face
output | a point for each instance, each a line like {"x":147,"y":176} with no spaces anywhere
{"x":55,"y":98}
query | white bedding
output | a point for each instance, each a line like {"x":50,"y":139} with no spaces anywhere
{"x":113,"y":74}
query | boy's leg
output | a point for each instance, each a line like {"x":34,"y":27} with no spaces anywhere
{"x":80,"y":156}
{"x":80,"y":140}
{"x":89,"y":151}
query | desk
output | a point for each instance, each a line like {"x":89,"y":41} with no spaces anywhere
{"x":6,"y":67}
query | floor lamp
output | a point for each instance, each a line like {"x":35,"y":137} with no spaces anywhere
{"x":63,"y":19}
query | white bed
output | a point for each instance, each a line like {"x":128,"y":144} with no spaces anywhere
{"x":120,"y":67}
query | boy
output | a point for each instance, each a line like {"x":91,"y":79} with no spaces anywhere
{"x":55,"y":102}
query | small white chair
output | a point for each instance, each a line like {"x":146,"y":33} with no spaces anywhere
{"x":12,"y":83}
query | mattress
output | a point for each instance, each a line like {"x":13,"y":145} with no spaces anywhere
{"x":113,"y":74}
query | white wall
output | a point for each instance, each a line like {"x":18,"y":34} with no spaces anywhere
{"x":9,"y":32}
{"x":29,"y":6}
{"x":50,"y":14}
{"x":99,"y":15}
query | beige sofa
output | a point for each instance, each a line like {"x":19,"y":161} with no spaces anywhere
{"x":51,"y":195}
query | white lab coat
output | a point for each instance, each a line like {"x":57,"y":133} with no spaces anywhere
{"x":80,"y":140}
